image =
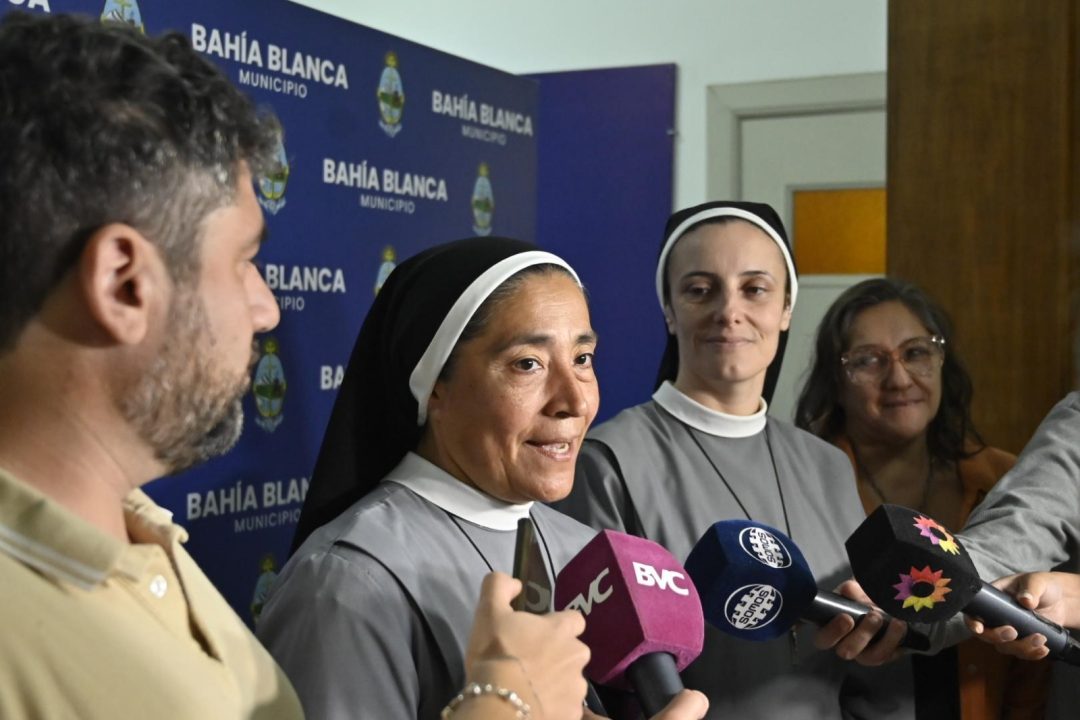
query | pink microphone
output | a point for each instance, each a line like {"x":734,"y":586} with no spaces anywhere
{"x":644,"y":622}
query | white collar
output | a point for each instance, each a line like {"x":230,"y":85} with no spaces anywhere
{"x":707,"y":420}
{"x":455,"y":497}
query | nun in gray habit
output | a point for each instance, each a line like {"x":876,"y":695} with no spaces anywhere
{"x":703,"y":449}
{"x":465,"y":399}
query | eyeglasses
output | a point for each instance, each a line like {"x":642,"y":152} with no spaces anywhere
{"x":921,"y":356}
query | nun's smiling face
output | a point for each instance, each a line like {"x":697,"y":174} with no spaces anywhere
{"x":726,"y":307}
{"x":511,"y":416}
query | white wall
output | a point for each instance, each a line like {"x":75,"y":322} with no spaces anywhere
{"x":711,"y":41}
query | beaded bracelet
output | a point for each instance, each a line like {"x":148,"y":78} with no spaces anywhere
{"x":475,"y":690}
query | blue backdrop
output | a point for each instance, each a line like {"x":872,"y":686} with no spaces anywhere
{"x":606,"y":161}
{"x":389,"y":147}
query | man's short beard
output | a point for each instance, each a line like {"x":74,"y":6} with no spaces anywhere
{"x":184,"y":406}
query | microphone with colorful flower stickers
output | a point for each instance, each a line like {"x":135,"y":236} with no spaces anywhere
{"x":913,"y":568}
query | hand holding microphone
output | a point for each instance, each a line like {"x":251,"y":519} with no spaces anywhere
{"x":916,"y":569}
{"x":1053,"y":595}
{"x":643,"y":621}
{"x":537,"y":656}
{"x":874,"y":640}
{"x":540,"y":658}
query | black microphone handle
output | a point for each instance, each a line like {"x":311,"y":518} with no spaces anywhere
{"x":656,"y":681}
{"x":827,"y":605}
{"x":593,"y":701}
{"x":996,"y":608}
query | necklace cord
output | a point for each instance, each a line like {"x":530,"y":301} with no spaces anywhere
{"x":539,"y":533}
{"x":776,"y":475}
{"x":471,"y":541}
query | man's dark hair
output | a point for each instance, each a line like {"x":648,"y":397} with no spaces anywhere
{"x":101,"y":124}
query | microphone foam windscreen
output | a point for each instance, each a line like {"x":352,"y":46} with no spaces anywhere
{"x":754,"y":582}
{"x":636,"y":598}
{"x":911,"y":566}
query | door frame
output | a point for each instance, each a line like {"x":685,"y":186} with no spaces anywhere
{"x":727,"y":106}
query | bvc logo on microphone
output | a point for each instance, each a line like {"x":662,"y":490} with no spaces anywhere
{"x":647,"y":576}
{"x":585,"y":601}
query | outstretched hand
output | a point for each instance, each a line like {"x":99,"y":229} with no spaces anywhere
{"x":1054,"y":595}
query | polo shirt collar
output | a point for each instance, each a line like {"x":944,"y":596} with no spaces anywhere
{"x":44,"y":535}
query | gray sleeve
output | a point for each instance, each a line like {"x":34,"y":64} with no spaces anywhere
{"x":599,"y":498}
{"x":345,"y":634}
{"x":1030,"y":520}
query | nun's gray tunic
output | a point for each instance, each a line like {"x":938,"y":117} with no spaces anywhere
{"x":371,"y":616}
{"x":648,"y":473}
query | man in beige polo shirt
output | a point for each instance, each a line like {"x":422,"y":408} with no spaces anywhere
{"x":129,"y":300}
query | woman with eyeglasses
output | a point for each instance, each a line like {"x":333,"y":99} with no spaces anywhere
{"x":887,"y":387}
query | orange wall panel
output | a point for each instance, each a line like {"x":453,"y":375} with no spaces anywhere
{"x":839,"y":231}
